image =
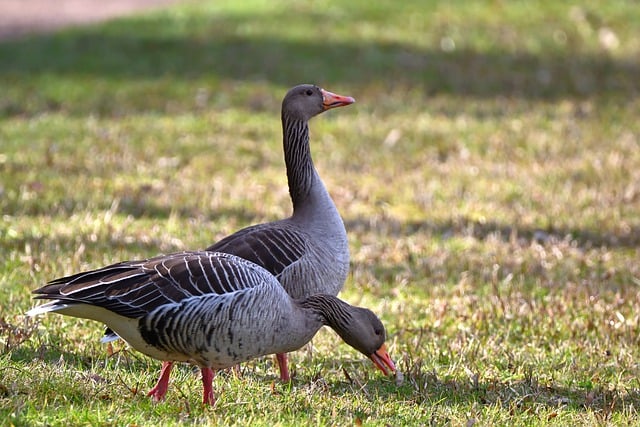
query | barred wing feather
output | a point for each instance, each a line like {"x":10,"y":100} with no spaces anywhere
{"x":136,"y":288}
{"x":271,"y":246}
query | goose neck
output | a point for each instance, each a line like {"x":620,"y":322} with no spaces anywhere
{"x":332,"y":311}
{"x":297,"y":156}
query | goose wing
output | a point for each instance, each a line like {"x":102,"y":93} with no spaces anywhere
{"x":136,"y":288}
{"x":274,"y":246}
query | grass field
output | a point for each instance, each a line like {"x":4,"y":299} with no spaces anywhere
{"x":488,"y":176}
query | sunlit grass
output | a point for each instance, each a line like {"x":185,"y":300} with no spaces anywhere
{"x":488,"y":176}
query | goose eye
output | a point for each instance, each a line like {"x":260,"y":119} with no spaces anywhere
{"x":309,"y":92}
{"x":377,"y":331}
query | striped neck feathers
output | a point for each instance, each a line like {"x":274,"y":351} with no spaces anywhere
{"x":332,"y":311}
{"x":297,"y":157}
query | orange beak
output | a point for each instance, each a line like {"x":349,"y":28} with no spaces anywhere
{"x":383,"y":361}
{"x":331,"y":100}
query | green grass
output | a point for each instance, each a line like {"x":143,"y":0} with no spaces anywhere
{"x":489,"y":178}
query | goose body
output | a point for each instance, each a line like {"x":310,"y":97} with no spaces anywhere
{"x":211,"y":309}
{"x":307,"y":252}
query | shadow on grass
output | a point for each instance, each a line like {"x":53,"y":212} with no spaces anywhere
{"x":420,"y":387}
{"x":525,"y":395}
{"x":426,"y":390}
{"x":154,"y":48}
{"x":465,"y":227}
{"x":584,"y":238}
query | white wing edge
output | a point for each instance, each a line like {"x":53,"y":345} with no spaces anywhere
{"x":54,"y":305}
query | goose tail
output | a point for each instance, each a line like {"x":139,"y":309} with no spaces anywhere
{"x":55,"y":305}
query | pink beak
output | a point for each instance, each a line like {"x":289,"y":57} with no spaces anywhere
{"x":331,"y":100}
{"x":382,"y":360}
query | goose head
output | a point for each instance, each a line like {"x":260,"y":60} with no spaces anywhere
{"x":305,"y":101}
{"x":365,"y":332}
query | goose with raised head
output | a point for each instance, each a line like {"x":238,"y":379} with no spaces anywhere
{"x":308,"y":252}
{"x":211,"y":309}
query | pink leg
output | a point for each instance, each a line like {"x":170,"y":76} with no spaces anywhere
{"x":160,"y":390}
{"x":208,"y":397}
{"x":284,"y":367}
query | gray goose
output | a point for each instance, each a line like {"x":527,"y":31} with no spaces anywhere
{"x":308,"y":252}
{"x":210,"y":309}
